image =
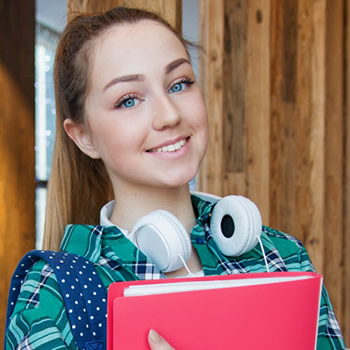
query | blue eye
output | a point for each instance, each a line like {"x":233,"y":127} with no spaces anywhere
{"x":177,"y":87}
{"x":129,"y":103}
{"x":181,"y":85}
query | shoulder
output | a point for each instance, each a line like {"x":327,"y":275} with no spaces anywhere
{"x":290,"y":248}
{"x":282,"y":239}
{"x":39,"y":290}
{"x":39,"y":315}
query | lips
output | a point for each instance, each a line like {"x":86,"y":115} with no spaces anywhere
{"x":173,"y":147}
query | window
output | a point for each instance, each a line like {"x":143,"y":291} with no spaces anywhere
{"x":45,"y":112}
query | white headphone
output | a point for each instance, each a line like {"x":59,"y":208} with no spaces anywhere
{"x":235,"y":226}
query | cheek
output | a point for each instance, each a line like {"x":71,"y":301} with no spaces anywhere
{"x":202,"y":124}
{"x":117,"y":137}
{"x":198,"y":107}
{"x":199,"y":115}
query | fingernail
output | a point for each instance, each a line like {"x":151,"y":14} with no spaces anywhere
{"x":154,"y":336}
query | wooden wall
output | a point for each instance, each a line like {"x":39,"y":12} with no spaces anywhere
{"x":276,"y":82}
{"x":17,"y":177}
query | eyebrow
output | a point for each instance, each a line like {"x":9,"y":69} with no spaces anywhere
{"x":140,"y":77}
{"x":123,"y":79}
{"x":172,"y":65}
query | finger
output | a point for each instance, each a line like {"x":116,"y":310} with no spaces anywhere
{"x":156,"y":342}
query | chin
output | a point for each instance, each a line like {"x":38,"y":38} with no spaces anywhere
{"x":178,"y":180}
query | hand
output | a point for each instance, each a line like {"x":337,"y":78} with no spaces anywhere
{"x":156,"y":342}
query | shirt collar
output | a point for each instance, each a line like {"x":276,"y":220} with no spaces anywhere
{"x":106,"y":213}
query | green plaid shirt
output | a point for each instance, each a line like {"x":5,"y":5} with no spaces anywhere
{"x":40,"y":321}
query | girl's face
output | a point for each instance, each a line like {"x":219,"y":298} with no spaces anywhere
{"x":145,"y":112}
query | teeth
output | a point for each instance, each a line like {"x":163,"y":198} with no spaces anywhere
{"x":171,"y":148}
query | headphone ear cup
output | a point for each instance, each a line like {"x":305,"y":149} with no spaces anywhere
{"x":161,"y":237}
{"x":235,"y":225}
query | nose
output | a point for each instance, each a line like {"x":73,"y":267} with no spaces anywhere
{"x":166,"y":113}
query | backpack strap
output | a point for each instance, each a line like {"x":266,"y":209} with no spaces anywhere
{"x":84,"y":295}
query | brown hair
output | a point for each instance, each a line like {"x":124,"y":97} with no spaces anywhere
{"x":79,"y":186}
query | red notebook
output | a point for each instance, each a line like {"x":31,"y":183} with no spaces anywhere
{"x":272,"y":311}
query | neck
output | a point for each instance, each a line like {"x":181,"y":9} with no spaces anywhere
{"x":132,"y":204}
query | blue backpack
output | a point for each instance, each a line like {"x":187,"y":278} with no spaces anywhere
{"x":78,"y":280}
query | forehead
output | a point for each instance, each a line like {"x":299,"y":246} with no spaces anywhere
{"x":143,"y":30}
{"x":128,"y":48}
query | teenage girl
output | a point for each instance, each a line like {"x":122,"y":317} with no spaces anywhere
{"x":131,"y":126}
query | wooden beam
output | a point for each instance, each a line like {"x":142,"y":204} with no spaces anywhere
{"x":283,"y":45}
{"x":346,"y":217}
{"x":298,"y":122}
{"x":211,"y":37}
{"x":17,"y":164}
{"x":257,"y":105}
{"x":235,"y":81}
{"x":334,"y":153}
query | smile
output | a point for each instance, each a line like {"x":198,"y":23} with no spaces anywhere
{"x":170,"y":148}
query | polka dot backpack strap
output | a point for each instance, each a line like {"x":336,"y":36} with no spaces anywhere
{"x":84,"y":295}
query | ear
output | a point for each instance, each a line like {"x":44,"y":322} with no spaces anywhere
{"x":81,"y":137}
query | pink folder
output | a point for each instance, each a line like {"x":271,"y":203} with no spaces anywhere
{"x":282,"y":315}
